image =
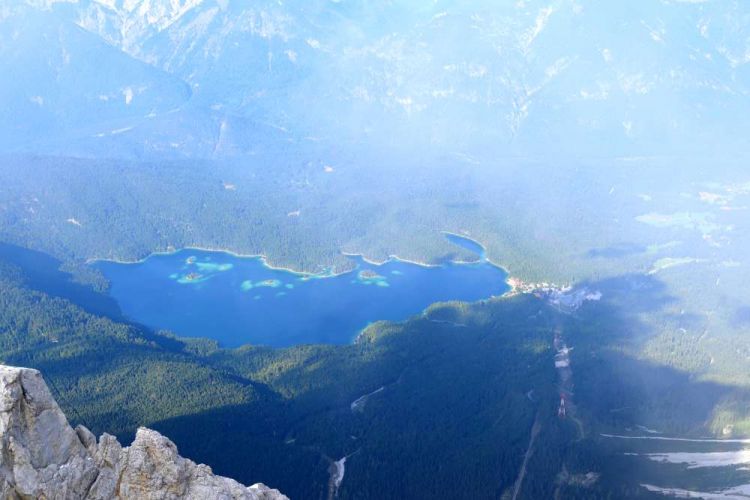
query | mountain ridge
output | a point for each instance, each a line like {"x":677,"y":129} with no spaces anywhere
{"x":571,"y":75}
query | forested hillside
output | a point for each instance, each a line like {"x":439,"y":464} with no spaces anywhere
{"x":262,"y":412}
{"x":456,"y":390}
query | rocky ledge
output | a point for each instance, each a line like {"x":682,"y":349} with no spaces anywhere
{"x":42,"y":456}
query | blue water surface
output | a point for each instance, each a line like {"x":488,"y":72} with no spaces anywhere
{"x":240,"y":300}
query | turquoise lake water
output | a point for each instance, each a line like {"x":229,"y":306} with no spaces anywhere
{"x":240,"y":300}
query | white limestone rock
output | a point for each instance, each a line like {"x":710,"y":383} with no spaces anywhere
{"x":42,"y":456}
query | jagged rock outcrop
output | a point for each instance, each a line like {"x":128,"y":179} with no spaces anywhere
{"x":42,"y":456}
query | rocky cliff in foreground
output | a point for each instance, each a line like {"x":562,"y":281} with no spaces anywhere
{"x":42,"y":456}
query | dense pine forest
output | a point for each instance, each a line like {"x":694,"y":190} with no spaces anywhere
{"x":459,"y":389}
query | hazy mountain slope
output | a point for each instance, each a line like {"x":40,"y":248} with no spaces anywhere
{"x":68,"y":84}
{"x":578,"y":78}
{"x":569,"y":76}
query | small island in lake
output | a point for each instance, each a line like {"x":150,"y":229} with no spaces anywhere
{"x":369,"y":277}
{"x":270,"y":283}
{"x":369,"y":274}
{"x":189,"y":278}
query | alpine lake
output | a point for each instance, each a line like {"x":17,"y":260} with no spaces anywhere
{"x":241,"y":300}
